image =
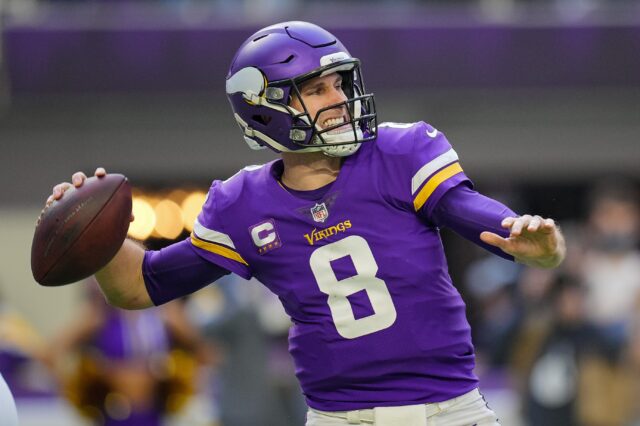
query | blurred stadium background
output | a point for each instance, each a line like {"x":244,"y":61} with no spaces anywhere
{"x":541,"y":99}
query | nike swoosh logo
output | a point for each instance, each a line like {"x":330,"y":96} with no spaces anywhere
{"x":432,"y":133}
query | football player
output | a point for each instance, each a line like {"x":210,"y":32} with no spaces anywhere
{"x":344,"y":228}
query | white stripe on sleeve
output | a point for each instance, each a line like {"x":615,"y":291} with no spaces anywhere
{"x":211,"y":235}
{"x":428,"y":169}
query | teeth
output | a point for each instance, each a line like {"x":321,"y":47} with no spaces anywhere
{"x":332,"y":122}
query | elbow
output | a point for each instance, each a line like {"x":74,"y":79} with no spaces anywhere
{"x":131,"y":296}
{"x":117,"y":301}
{"x":128,"y":302}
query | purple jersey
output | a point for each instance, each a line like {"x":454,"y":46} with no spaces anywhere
{"x":361,"y":271}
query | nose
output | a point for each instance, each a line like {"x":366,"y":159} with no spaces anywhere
{"x":338,"y":95}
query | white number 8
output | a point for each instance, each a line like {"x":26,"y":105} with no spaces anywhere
{"x":365,"y":279}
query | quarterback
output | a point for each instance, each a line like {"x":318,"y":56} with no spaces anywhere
{"x":344,"y":228}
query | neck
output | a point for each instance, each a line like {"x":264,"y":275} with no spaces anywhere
{"x":309,"y":171}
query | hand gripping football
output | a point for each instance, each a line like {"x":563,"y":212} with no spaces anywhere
{"x":80,"y":233}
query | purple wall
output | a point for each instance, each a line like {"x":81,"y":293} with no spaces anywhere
{"x":57,"y":58}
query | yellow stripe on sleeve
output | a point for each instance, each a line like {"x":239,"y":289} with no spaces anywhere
{"x":434,"y":182}
{"x":217,"y":249}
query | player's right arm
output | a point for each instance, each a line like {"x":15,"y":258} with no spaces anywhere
{"x":138,"y":279}
{"x":121,"y":280}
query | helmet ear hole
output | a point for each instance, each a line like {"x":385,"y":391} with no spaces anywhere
{"x":262,"y":119}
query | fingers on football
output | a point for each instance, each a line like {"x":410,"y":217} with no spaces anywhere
{"x":59,"y":189}
{"x":78,"y":179}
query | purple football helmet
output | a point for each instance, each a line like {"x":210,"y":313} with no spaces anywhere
{"x":267,"y":71}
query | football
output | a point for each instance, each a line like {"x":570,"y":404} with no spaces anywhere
{"x":80,"y":233}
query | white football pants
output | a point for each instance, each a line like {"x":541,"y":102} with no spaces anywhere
{"x":8,"y":412}
{"x":469,"y":409}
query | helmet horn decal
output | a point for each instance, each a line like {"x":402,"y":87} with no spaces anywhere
{"x":249,"y":81}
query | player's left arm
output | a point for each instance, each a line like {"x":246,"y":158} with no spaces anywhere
{"x":532,"y":240}
{"x":442,"y":194}
{"x":497,"y":228}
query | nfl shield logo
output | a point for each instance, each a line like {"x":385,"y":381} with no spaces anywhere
{"x":319,"y":212}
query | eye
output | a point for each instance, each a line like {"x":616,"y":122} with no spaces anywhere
{"x":313,"y":91}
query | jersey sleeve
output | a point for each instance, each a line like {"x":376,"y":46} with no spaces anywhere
{"x":177,"y":271}
{"x":210,"y":238}
{"x":435,"y":169}
{"x":470,"y":213}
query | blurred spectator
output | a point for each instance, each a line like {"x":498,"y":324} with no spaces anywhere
{"x":610,"y":264}
{"x":576,"y":355}
{"x":128,"y":368}
{"x":241,"y":389}
{"x":549,"y":356}
{"x":491,"y":284}
{"x":610,"y":388}
{"x":289,"y":407}
{"x":632,"y":371}
{"x":249,"y":324}
{"x":21,"y":356}
{"x":533,"y":291}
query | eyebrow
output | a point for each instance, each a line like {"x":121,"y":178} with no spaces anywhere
{"x":309,"y":86}
{"x":319,"y":83}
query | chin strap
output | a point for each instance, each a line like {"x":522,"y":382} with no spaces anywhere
{"x":340,"y":150}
